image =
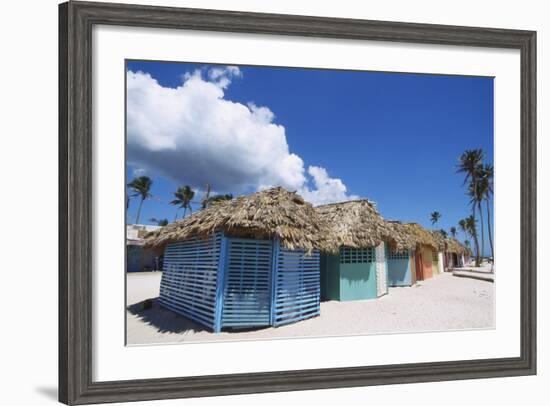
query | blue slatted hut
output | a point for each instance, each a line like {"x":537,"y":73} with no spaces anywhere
{"x":356,"y":269}
{"x":249,"y":262}
{"x":401,"y":255}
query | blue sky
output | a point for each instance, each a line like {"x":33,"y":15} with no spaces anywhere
{"x":392,"y":138}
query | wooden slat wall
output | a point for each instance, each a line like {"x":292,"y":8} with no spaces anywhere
{"x":297,"y":288}
{"x":381,"y":270}
{"x":247,"y":293}
{"x":190,"y":276}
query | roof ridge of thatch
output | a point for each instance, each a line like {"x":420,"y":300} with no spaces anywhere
{"x":439,"y":238}
{"x":453,"y":245}
{"x":270,"y":213}
{"x":401,"y":238}
{"x":354,"y":224}
{"x":422,"y":235}
{"x":363,"y":200}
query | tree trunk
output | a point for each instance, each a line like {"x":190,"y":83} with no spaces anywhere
{"x":176,"y":216}
{"x":184,"y":211}
{"x":476,"y":242}
{"x":139,"y":210}
{"x":482,"y":230}
{"x":474,"y":180}
{"x":476,"y":246}
{"x":489,"y":230}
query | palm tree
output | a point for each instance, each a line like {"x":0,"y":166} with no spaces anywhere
{"x":476,"y":198}
{"x":218,"y":198}
{"x":467,"y":245}
{"x":141,"y":187}
{"x":452,"y":230}
{"x":470,"y":161}
{"x":486,"y":184}
{"x":462,"y":226}
{"x":183,"y":195}
{"x":443,"y":233}
{"x":471,"y":227}
{"x":434,"y":217}
{"x":206,"y":199}
{"x":160,"y":222}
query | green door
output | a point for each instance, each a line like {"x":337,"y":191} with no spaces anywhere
{"x":357,"y":274}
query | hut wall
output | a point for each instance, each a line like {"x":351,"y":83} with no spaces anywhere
{"x":296,"y":287}
{"x":381,"y":270}
{"x":330,"y":277}
{"x":400,"y":268}
{"x":435,"y":262}
{"x":357,"y":274}
{"x":247,"y":283}
{"x":224,"y":282}
{"x":412,"y":264}
{"x":440,"y":262}
{"x":139,"y":259}
{"x":451,"y":260}
{"x":189,"y":284}
{"x":427,"y":271}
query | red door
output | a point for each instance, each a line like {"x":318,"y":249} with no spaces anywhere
{"x":419,"y":266}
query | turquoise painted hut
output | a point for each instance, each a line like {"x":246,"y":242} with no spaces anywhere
{"x":401,"y":256}
{"x":248,"y":262}
{"x":355,"y":267}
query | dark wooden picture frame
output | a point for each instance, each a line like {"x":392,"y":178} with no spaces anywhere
{"x":76,"y":20}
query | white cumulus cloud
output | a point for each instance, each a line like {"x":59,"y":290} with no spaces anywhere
{"x":196,"y":136}
{"x":327,"y":189}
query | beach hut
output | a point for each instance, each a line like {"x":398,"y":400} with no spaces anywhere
{"x":455,"y":253}
{"x":248,"y":262}
{"x":355,"y":267}
{"x":401,"y":255}
{"x":425,"y":248}
{"x":437,"y":253}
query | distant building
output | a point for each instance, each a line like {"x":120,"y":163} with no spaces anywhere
{"x":139,"y":258}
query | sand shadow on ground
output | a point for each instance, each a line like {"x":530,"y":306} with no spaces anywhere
{"x":164,"y":320}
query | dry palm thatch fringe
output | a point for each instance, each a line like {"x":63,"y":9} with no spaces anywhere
{"x":453,"y":246}
{"x":423,"y":236}
{"x":354,"y":224}
{"x":456,"y":247}
{"x":439,"y":240}
{"x":401,"y":238}
{"x":272,"y":213}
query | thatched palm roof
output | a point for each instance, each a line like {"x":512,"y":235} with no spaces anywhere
{"x":401,"y":238}
{"x":272,"y":213}
{"x":456,"y":247}
{"x":422,"y":235}
{"x":354,"y":224}
{"x":439,"y":238}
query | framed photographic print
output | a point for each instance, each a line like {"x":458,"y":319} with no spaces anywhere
{"x":259,"y":202}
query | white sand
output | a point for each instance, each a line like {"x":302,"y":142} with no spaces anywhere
{"x":444,"y":302}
